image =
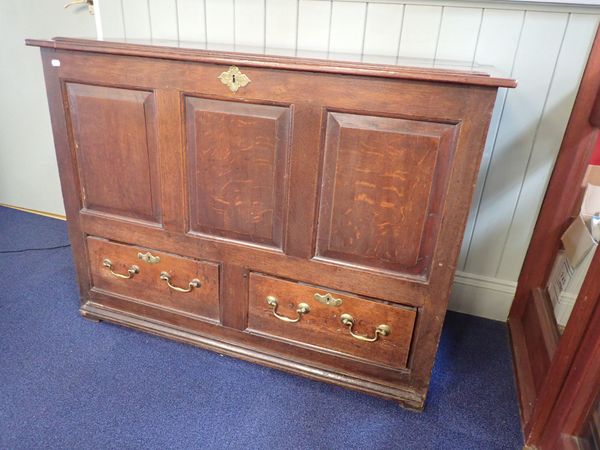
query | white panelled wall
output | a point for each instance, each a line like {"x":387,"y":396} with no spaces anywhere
{"x":545,"y":47}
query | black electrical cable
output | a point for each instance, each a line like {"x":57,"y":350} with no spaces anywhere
{"x":34,"y":249}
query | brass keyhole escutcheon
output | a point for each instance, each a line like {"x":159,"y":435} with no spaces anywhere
{"x":234,"y":79}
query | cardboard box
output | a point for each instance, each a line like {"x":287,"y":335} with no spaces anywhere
{"x":578,"y":240}
{"x":560,"y":277}
{"x":592,"y":176}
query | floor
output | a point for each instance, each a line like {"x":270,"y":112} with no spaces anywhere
{"x":68,"y":383}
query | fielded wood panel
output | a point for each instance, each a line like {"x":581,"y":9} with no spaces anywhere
{"x":117,"y":155}
{"x":383,"y":185}
{"x":236,"y":158}
{"x":321,"y":326}
{"x":147,"y":286}
{"x":522,"y":143}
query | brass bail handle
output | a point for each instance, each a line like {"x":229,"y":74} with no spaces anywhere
{"x":195,"y":283}
{"x":302,"y":309}
{"x":130,"y":272}
{"x":381,"y":330}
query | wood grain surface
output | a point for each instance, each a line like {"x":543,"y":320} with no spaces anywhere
{"x":147,"y":285}
{"x":321,"y":326}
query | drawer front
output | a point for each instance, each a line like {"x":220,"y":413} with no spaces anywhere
{"x":338,"y":323}
{"x":171,"y":282}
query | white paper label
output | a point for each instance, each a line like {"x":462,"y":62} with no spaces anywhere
{"x":55,"y":63}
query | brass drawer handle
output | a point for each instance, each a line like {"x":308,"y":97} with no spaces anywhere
{"x":303,"y":308}
{"x":130,"y":272}
{"x":195,"y":283}
{"x":381,"y":330}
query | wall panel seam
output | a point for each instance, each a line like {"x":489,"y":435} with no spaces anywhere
{"x":400,"y":36}
{"x":264,"y":25}
{"x":493,"y":146}
{"x":205,"y":22}
{"x":477,"y":38}
{"x":330,"y":22}
{"x":437,"y":41}
{"x":364,"y":36}
{"x":535,"y":136}
{"x":297,"y":26}
{"x":149,"y":18}
{"x":177,"y":20}
{"x":123,"y":18}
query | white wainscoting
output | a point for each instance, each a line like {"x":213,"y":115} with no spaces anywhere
{"x":544,"y":46}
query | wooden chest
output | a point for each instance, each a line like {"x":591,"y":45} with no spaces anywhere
{"x":302,"y":214}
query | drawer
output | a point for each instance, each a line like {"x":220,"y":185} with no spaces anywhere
{"x":332,"y":321}
{"x":170,"y":282}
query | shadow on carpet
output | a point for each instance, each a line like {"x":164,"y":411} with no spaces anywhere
{"x":69,"y":383}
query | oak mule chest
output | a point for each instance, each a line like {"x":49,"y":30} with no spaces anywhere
{"x":303,"y":214}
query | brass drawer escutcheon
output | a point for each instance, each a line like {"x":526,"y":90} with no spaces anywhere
{"x":303,"y":308}
{"x":195,"y":283}
{"x":234,"y":79}
{"x":130,"y":272}
{"x":148,"y":258}
{"x":381,"y":330}
{"x":328,"y":299}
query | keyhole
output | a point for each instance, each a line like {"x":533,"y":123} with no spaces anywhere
{"x":233,"y":78}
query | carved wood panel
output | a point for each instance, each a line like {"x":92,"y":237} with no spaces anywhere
{"x":383,"y":186}
{"x":237,"y":155}
{"x":115,"y":145}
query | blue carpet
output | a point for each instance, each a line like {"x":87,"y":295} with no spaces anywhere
{"x":68,"y":383}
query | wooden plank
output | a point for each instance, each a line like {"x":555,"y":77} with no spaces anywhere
{"x":420,"y":31}
{"x":382,"y":30}
{"x":313,"y":26}
{"x":250,"y":22}
{"x":524,"y":376}
{"x":515,"y":138}
{"x":347,"y":28}
{"x":551,"y":128}
{"x":220,"y":22}
{"x":496,"y":46}
{"x":281,"y":23}
{"x":136,"y":17}
{"x":192,"y":21}
{"x":459,"y":32}
{"x":163,"y":19}
{"x":279,"y":62}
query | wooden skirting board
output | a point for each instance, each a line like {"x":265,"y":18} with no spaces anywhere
{"x":35,"y":211}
